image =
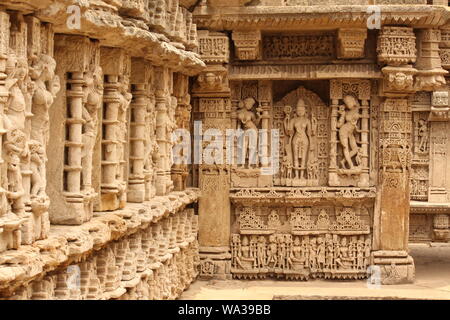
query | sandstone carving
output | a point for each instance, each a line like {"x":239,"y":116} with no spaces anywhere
{"x":317,"y":146}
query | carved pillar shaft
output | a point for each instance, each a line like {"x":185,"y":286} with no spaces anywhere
{"x":397,"y":49}
{"x":116,"y":65}
{"x":161,"y":118}
{"x":213,"y":107}
{"x":137,"y":142}
{"x":109,"y":163}
{"x":74,"y":123}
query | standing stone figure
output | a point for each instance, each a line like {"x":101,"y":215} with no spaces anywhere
{"x":17,"y":73}
{"x":47,"y":86}
{"x":92,"y":102}
{"x":15,"y":149}
{"x":249,"y":122}
{"x":299,"y":130}
{"x":348,"y":125}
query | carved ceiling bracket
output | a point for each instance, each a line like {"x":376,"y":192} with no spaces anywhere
{"x":247,"y":44}
{"x":351,"y":43}
{"x":440,"y":109}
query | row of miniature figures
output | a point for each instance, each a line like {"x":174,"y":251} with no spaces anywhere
{"x":159,"y":262}
{"x":324,"y":255}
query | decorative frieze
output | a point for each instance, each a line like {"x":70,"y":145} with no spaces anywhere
{"x":302,"y":46}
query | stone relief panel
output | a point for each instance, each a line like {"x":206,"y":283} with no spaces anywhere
{"x":250,"y":113}
{"x":29,"y":86}
{"x":421,"y":156}
{"x":350,"y":128}
{"x":303,"y":46}
{"x":299,"y":243}
{"x":420,"y":227}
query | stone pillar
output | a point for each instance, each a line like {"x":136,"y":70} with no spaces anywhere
{"x":397,"y":50}
{"x":180,"y":171}
{"x":212,"y":108}
{"x":116,"y":100}
{"x":163,"y":130}
{"x":140,"y":76}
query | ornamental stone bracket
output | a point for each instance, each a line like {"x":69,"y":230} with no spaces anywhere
{"x":351,"y":43}
{"x":212,"y":80}
{"x":440,"y":109}
{"x":247,"y":45}
{"x":398,"y":80}
{"x":431,"y":74}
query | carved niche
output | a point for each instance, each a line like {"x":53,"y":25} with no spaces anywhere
{"x":250,"y":114}
{"x":73,"y":197}
{"x":302,"y":119}
{"x":350,"y":128}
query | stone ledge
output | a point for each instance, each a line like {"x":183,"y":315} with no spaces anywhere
{"x":70,"y":244}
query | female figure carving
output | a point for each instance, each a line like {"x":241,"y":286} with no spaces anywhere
{"x":249,"y":123}
{"x":92,"y":102}
{"x":347,"y":125}
{"x":17,"y":73}
{"x":299,"y":130}
{"x":47,"y":86}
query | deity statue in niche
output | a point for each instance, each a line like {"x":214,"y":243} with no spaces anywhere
{"x":92,"y":102}
{"x":249,"y":122}
{"x":47,"y":86}
{"x":348,"y":126}
{"x":299,"y":132}
{"x":19,"y":90}
{"x":303,"y":120}
{"x":422,"y":135}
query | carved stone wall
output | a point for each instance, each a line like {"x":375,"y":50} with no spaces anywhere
{"x":91,"y":203}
